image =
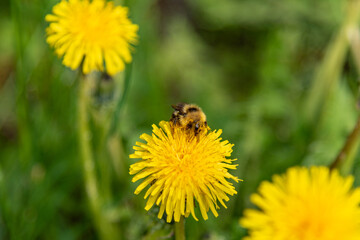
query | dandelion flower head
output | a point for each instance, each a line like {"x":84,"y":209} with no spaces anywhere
{"x":95,"y":33}
{"x":179,"y":167}
{"x":305,"y":204}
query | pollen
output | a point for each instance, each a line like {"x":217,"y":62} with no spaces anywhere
{"x":179,"y":168}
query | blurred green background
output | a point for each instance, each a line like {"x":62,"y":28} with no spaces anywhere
{"x":279,"y":77}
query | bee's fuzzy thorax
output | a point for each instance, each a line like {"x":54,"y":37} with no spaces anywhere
{"x":189,"y":116}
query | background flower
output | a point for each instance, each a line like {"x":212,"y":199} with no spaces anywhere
{"x":96,"y":32}
{"x":305,"y":204}
{"x":180,"y":168}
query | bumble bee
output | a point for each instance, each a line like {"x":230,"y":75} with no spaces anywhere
{"x":188,"y":116}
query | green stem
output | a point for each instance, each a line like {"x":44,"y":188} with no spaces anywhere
{"x":85,"y":147}
{"x":329,"y":70}
{"x":105,"y":228}
{"x":113,"y":137}
{"x":180,"y":229}
{"x":22,"y":106}
{"x":345,"y":160}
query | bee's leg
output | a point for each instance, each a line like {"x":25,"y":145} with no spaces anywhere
{"x":174,"y":119}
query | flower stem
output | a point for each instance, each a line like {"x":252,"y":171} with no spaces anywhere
{"x":345,"y":159}
{"x":106,"y":229}
{"x":180,"y":229}
{"x":86,"y":152}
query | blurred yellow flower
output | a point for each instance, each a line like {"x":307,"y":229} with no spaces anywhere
{"x":305,"y":204}
{"x":179,"y":168}
{"x":95,"y":32}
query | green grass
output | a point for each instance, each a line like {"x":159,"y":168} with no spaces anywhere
{"x":251,"y":71}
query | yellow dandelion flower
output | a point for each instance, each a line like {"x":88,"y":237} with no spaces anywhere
{"x":180,"y":168}
{"x":96,"y":33}
{"x":305,"y":204}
